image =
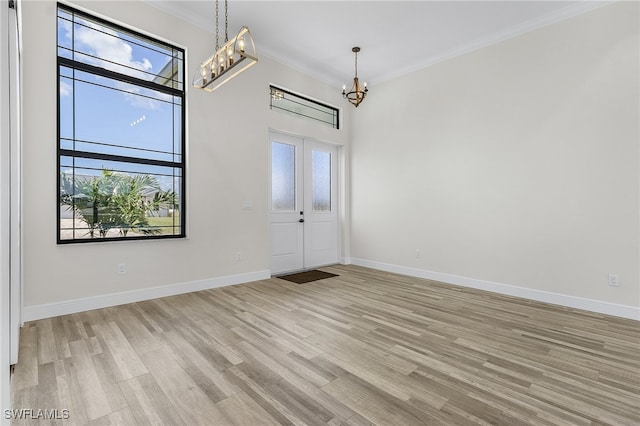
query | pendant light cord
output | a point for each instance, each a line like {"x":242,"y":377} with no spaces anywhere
{"x":356,"y":64}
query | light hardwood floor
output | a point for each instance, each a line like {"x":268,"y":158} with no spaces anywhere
{"x":365,"y":347}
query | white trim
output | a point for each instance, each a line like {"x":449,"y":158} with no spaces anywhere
{"x":614,"y":309}
{"x":49,"y":310}
{"x":15,"y":203}
{"x":5,"y":212}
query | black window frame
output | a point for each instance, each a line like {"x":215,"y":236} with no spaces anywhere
{"x":128,"y":79}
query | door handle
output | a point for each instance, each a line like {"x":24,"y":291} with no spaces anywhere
{"x":301,"y":221}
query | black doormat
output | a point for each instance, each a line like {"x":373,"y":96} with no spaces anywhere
{"x":307,"y":276}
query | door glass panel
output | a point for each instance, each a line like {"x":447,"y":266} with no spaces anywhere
{"x":321,"y":181}
{"x":283,"y":177}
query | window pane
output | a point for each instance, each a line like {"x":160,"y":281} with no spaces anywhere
{"x":283,"y":176}
{"x":96,"y":44}
{"x":65,"y":106}
{"x":120,"y":166}
{"x":171,"y":75}
{"x":321,"y":181}
{"x":127,"y":117}
{"x":106,"y":203}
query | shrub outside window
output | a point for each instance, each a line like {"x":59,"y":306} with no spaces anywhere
{"x":121,"y":160}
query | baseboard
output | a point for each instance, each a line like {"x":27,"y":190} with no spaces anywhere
{"x":344,"y":261}
{"x":623,"y":311}
{"x":49,"y":310}
{"x":31,"y":313}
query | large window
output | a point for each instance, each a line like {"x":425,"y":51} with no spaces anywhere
{"x":121,"y":161}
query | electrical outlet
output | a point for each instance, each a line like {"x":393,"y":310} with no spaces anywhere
{"x":238,"y":256}
{"x":122,"y":268}
{"x":614,"y":280}
{"x":418,"y":254}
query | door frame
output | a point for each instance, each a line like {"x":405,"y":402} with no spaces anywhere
{"x":15,"y":216}
{"x":339,"y":187}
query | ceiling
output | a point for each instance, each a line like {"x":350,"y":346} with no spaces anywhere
{"x":396,"y":37}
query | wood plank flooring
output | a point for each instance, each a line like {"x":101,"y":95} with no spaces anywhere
{"x":362,"y":348}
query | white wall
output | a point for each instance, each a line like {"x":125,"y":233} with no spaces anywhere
{"x":519,"y":165}
{"x":228,"y":163}
{"x":516,"y":164}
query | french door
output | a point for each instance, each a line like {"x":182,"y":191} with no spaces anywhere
{"x":304,"y":208}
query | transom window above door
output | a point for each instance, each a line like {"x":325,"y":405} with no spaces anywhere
{"x":304,"y":107}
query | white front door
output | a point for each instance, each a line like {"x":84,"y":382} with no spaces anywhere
{"x":320,"y":205}
{"x":304,"y":210}
{"x":287,"y":204}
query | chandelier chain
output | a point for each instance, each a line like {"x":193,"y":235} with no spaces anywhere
{"x":226,"y":21}
{"x":217,"y":27}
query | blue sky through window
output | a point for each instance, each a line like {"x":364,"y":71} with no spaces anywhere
{"x":107,"y":116}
